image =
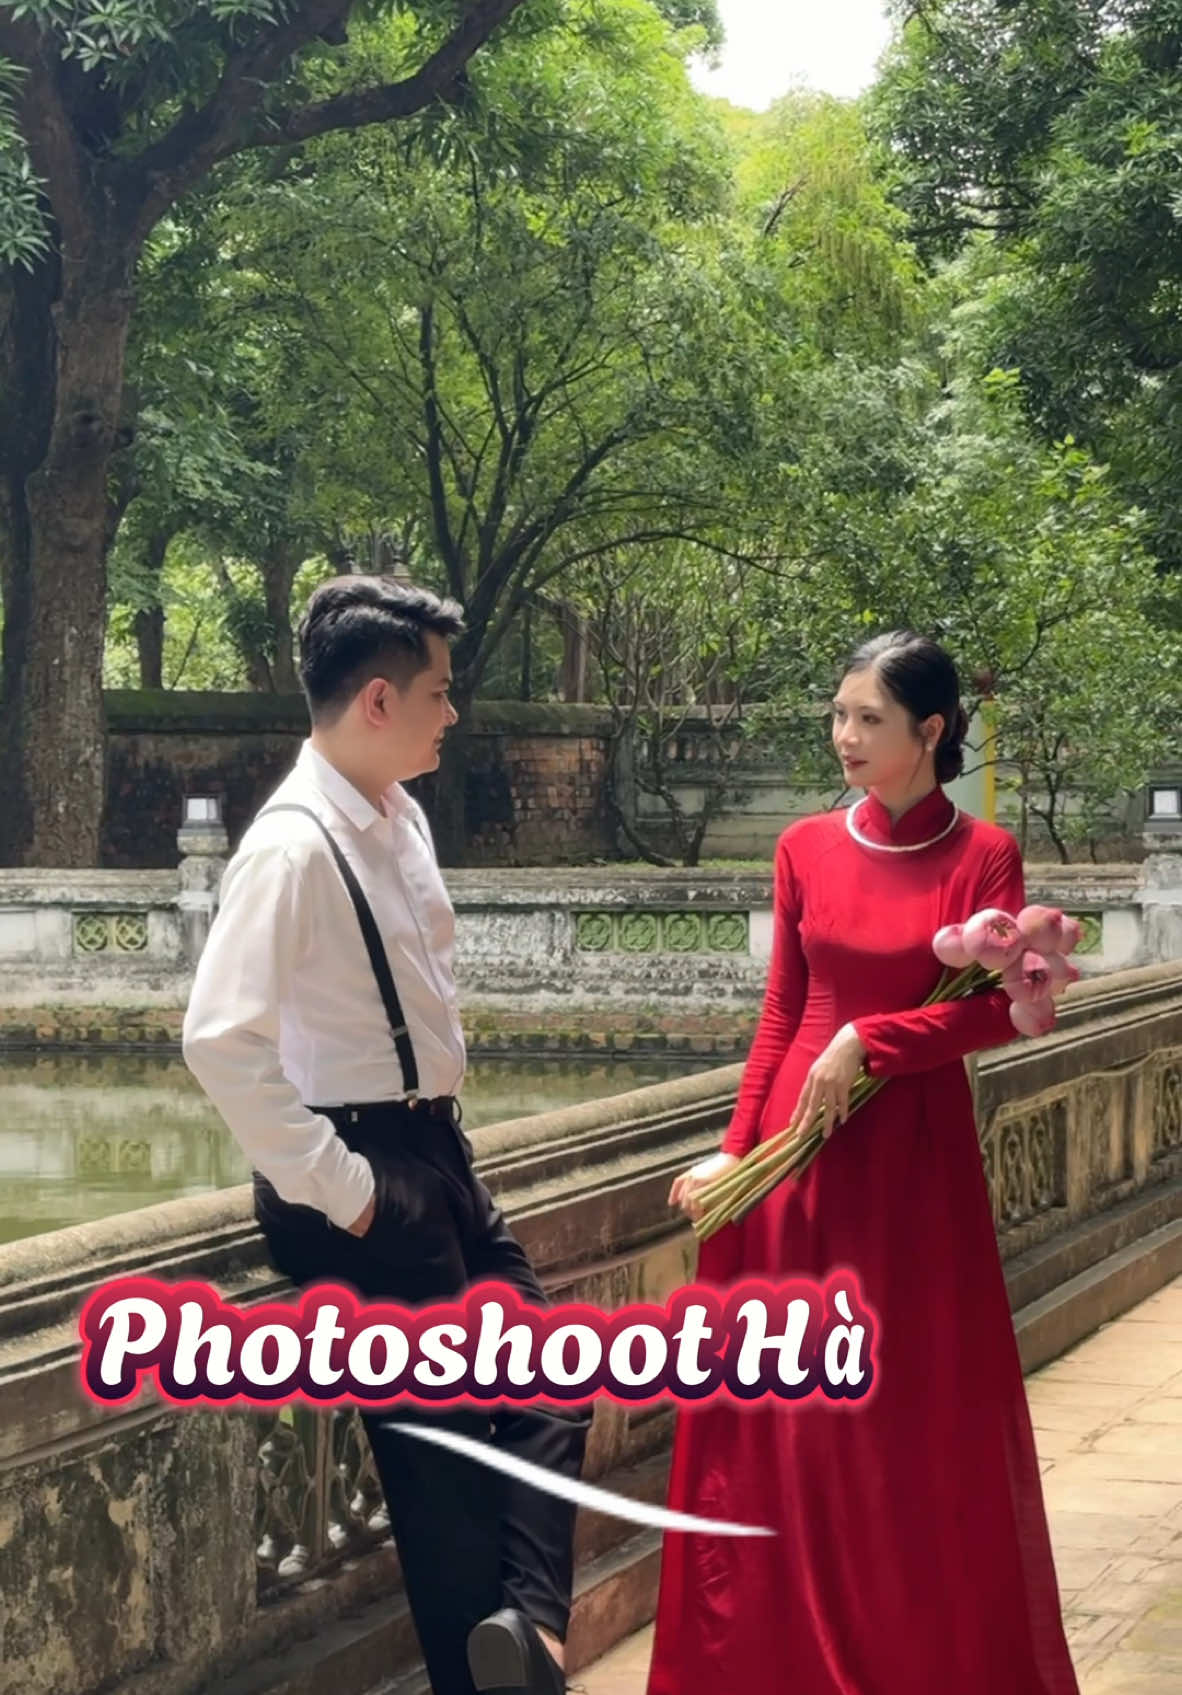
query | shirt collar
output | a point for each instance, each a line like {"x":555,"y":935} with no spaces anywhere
{"x":329,"y":782}
{"x":926,"y":818}
{"x":398,"y":802}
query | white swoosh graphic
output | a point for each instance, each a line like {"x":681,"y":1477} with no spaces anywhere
{"x":573,"y":1489}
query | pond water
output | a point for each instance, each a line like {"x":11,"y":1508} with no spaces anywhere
{"x":82,"y":1137}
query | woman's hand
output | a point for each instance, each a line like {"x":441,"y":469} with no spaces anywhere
{"x":830,"y":1079}
{"x":686,"y":1188}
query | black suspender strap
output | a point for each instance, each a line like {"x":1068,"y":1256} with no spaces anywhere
{"x":373,"y":946}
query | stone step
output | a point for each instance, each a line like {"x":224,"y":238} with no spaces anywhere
{"x":1075,"y":1309}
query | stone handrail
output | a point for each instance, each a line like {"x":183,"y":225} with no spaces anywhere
{"x":546,"y":940}
{"x":154,"y":1551}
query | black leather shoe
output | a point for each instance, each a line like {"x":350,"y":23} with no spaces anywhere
{"x":506,"y":1653}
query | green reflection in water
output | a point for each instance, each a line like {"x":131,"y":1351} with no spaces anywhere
{"x":82,"y":1137}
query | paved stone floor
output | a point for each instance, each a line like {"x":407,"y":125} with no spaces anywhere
{"x":1108,"y":1420}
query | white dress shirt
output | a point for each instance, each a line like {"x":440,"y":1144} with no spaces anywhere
{"x":285,"y":1009}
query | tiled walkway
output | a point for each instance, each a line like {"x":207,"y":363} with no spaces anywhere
{"x":1108,"y":1419}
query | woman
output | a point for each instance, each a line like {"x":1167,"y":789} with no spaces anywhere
{"x":912,"y":1555}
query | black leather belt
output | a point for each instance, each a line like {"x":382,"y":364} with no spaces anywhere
{"x":446,"y":1107}
{"x":439,"y":1106}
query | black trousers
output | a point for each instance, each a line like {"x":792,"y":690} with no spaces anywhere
{"x":469,"y":1539}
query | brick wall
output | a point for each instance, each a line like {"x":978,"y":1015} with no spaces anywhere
{"x":532,"y":775}
{"x":533,"y":792}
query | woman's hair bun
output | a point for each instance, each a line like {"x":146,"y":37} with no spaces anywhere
{"x":950,"y":753}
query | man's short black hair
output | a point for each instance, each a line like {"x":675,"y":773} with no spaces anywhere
{"x":360,"y":627}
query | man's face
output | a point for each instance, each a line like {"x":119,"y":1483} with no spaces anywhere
{"x":420,"y":715}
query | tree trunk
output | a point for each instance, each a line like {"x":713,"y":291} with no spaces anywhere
{"x":525,"y":691}
{"x":61,"y":372}
{"x":619,"y":759}
{"x":149,"y":640}
{"x":267,"y":644}
{"x":572,"y":679}
{"x":246,"y":631}
{"x":278,"y":567}
{"x":149,"y":620}
{"x":444,"y":795}
{"x":258,"y":673}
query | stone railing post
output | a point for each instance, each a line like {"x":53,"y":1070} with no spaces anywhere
{"x":1161,"y":888}
{"x":204,"y":847}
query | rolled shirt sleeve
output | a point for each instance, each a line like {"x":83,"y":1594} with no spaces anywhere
{"x":230,"y":1040}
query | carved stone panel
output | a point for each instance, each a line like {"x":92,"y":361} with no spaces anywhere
{"x":1025,"y":1157}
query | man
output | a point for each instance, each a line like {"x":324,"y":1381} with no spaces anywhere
{"x":323,"y":1024}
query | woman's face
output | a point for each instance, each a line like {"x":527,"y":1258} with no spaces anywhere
{"x":874,"y":736}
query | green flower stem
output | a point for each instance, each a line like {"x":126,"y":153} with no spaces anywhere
{"x":751,"y":1168}
{"x":752,"y":1163}
{"x":796,"y":1156}
{"x":736,"y":1206}
{"x":731,"y":1197}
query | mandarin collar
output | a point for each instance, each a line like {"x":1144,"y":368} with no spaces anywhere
{"x":926,"y":818}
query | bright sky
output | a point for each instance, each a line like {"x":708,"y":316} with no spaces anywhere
{"x":832,"y":45}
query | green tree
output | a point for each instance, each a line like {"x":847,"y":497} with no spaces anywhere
{"x":1021,"y":557}
{"x":519,"y":370}
{"x":196,"y":649}
{"x":678,"y":654}
{"x":192,"y":475}
{"x":193,"y":468}
{"x":1045,"y":140}
{"x":818,"y":211}
{"x":109,"y":115}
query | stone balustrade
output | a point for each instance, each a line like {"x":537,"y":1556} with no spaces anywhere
{"x":537,"y":938}
{"x":146,"y":1550}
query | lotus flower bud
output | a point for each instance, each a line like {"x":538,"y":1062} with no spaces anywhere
{"x":948,"y":947}
{"x":993,"y":939}
{"x":1062,"y":972}
{"x":1041,"y":927}
{"x":1071,"y":935}
{"x":1032,"y":1018}
{"x":1028,"y":979}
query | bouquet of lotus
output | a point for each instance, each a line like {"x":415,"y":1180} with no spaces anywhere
{"x":1026,"y":956}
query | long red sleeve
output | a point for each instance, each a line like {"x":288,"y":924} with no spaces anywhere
{"x":900,"y":1042}
{"x":783,"y":1003}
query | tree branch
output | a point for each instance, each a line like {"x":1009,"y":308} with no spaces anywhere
{"x":54,"y":149}
{"x":230,"y":122}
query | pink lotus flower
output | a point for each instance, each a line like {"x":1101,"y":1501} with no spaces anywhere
{"x":948,"y":947}
{"x":989,"y":947}
{"x":1042,"y":928}
{"x":1028,"y":979}
{"x":1062,"y":972}
{"x":1033,"y":1018}
{"x":993,"y":939}
{"x":1072,"y":932}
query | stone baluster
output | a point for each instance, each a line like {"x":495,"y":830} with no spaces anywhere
{"x":204,"y":847}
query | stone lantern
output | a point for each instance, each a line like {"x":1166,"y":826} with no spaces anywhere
{"x":1161,"y":887}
